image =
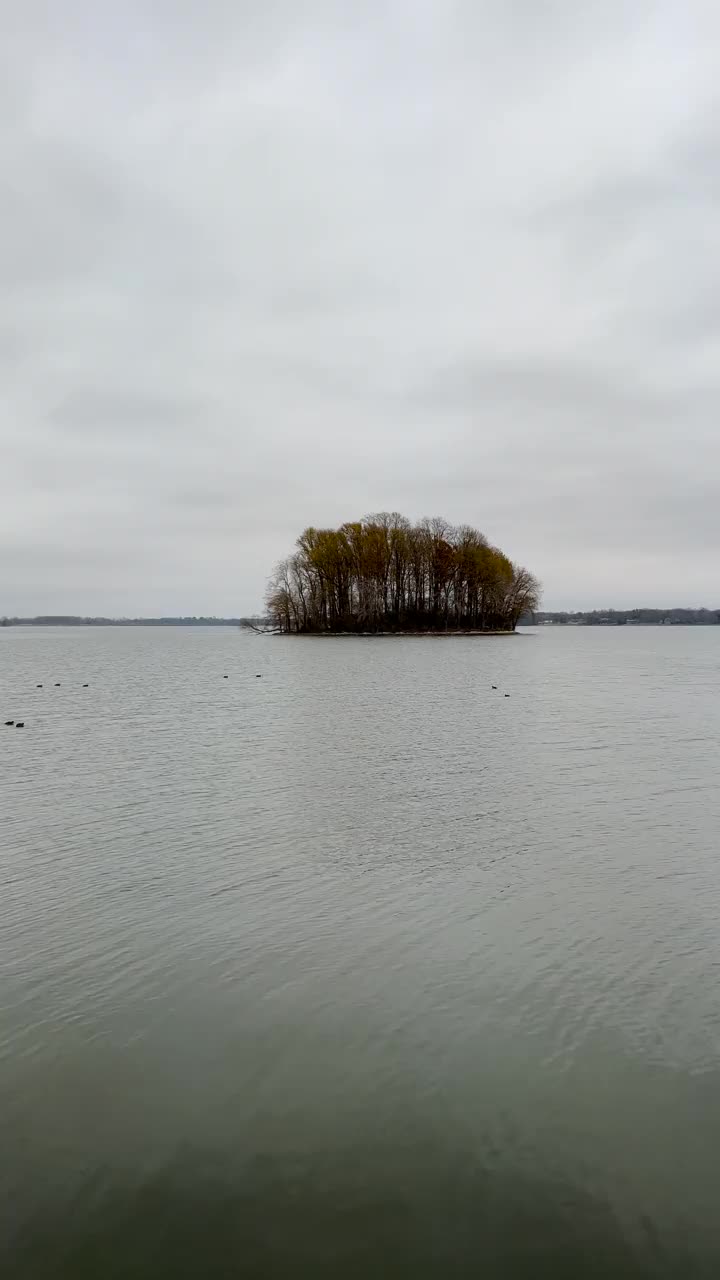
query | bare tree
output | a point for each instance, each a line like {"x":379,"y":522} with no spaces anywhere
{"x":383,"y":574}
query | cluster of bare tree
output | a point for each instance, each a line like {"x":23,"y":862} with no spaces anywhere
{"x":385,"y":574}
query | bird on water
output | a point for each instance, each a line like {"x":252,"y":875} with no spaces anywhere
{"x":86,"y":686}
{"x":38,"y":686}
{"x":493,"y":686}
{"x":9,"y":723}
{"x":20,"y":724}
{"x":57,"y":685}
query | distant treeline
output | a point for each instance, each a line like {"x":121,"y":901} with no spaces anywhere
{"x":384,"y":574}
{"x":623,"y":617}
{"x":70,"y":620}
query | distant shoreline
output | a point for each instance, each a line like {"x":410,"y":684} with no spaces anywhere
{"x":126,"y":622}
{"x":667,"y":618}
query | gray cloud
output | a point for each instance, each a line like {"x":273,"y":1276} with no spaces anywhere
{"x":266,"y":264}
{"x":122,"y":409}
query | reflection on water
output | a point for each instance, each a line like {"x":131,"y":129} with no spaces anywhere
{"x":204,"y":1216}
{"x":360,"y":968}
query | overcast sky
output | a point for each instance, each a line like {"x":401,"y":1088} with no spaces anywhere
{"x":271,"y":263}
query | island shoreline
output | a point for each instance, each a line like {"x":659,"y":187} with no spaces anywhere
{"x":388,"y":635}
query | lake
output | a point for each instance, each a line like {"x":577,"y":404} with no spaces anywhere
{"x":360,"y":968}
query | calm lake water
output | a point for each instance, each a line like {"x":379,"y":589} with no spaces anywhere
{"x":361,"y":968}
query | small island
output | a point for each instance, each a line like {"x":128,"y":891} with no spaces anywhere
{"x":385,"y":575}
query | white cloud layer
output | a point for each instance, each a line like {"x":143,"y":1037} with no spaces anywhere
{"x":269,"y":264}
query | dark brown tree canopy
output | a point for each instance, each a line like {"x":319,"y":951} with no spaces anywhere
{"x":385,"y":574}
